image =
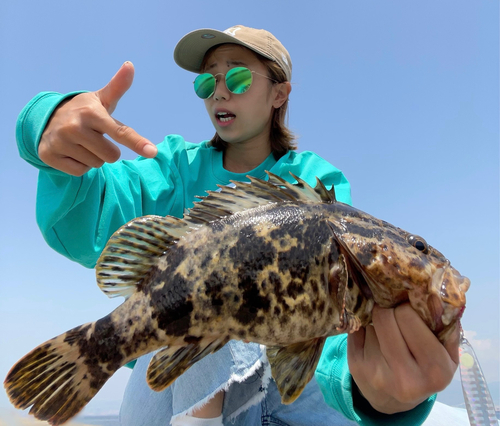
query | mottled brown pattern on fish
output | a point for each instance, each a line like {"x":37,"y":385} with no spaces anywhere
{"x":269,"y":278}
{"x":270,"y":263}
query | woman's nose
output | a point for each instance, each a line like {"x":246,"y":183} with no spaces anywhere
{"x":221,"y":91}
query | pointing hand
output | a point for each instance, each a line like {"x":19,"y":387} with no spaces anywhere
{"x":73,"y":140}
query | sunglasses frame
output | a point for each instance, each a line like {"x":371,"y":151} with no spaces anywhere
{"x":225,"y":81}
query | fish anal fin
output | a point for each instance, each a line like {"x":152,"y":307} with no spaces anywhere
{"x":170,"y":362}
{"x":293,"y":366}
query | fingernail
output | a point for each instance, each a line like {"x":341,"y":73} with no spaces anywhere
{"x":150,"y":151}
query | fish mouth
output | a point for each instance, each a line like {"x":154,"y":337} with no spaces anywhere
{"x":446,"y":302}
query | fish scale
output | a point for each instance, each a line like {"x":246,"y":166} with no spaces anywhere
{"x":267,"y":262}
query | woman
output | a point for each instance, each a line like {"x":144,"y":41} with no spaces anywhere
{"x":244,"y":81}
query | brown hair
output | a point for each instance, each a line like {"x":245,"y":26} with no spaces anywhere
{"x":281,"y":137}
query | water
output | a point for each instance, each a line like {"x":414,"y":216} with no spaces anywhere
{"x":111,"y":420}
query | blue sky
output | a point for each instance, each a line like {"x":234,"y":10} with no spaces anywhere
{"x":401,"y":96}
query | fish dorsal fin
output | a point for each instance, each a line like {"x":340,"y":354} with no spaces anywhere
{"x":134,"y":249}
{"x":302,"y":191}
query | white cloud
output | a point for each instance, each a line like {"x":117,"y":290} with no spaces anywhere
{"x":489,"y":348}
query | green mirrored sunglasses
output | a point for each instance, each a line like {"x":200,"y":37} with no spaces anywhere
{"x":238,"y":81}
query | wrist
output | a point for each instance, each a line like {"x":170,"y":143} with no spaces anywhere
{"x":379,"y":402}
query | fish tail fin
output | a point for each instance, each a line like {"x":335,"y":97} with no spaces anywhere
{"x":56,"y":379}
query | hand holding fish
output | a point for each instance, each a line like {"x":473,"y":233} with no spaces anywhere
{"x":74,"y":142}
{"x":398,"y":362}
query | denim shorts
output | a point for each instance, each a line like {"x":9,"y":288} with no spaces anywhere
{"x":251,"y":396}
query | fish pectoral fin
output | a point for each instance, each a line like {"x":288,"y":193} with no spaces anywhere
{"x":169,"y":363}
{"x":132,"y":251}
{"x":293,"y":366}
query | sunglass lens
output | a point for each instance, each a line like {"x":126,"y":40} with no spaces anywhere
{"x":204,"y":85}
{"x":238,"y":80}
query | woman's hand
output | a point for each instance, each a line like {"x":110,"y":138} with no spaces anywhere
{"x":397,"y":362}
{"x":73,"y":140}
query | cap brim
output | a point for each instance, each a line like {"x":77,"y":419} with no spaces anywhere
{"x":191,"y":48}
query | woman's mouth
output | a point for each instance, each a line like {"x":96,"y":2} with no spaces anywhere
{"x":224,"y":118}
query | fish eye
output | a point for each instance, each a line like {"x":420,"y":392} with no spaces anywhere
{"x":419,"y":243}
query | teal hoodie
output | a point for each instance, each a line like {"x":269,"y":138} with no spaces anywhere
{"x":77,"y":215}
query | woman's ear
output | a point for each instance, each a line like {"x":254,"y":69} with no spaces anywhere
{"x":283,"y":90}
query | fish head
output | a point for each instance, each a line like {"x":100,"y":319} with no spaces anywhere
{"x":393,"y":266}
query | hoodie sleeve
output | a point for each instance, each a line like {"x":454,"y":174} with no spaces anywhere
{"x":335,"y":381}
{"x":32,"y":122}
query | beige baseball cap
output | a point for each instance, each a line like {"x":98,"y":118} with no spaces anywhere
{"x":191,"y":48}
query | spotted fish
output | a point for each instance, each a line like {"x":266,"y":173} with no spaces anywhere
{"x":268,"y":262}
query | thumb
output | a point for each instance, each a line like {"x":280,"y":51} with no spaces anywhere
{"x":110,"y":94}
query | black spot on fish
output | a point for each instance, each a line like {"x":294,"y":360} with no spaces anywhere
{"x":173,"y":306}
{"x":252,"y":300}
{"x":76,"y":334}
{"x":214,"y":286}
{"x":277,"y":288}
{"x":101,"y":349}
{"x":295,"y":288}
{"x":252,"y":252}
{"x":359,"y":302}
{"x":192,"y":339}
{"x":364,"y":231}
{"x":284,"y":320}
{"x":314,"y":284}
{"x":416,"y":264}
{"x":367,"y":253}
{"x":350,"y":283}
{"x":290,"y":391}
{"x":206,"y":260}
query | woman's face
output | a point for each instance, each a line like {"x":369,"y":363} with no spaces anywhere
{"x":246,"y":117}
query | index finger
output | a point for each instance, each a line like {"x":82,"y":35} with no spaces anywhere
{"x":423,"y":344}
{"x":391,"y":340}
{"x":128,"y":137}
